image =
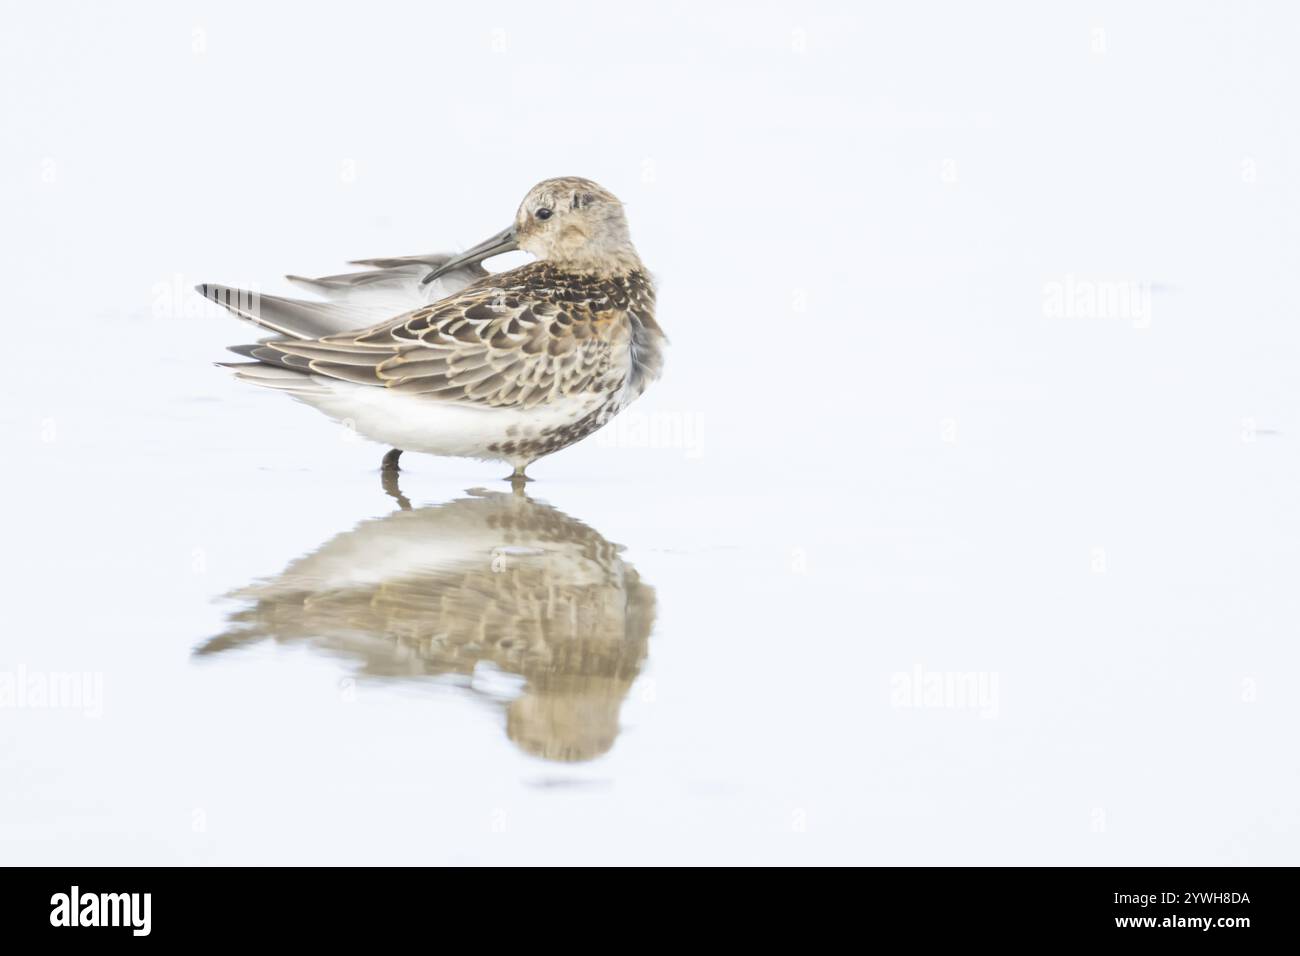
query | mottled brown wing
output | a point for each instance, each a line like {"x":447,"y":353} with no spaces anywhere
{"x":487,"y":345}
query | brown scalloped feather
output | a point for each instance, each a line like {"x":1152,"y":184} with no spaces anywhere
{"x":514,"y":339}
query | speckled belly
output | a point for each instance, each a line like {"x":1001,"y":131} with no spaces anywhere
{"x":526,"y":448}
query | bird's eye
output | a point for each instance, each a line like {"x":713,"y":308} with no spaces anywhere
{"x":543,"y":214}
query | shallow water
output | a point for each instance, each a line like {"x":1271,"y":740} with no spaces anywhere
{"x":927,"y":548}
{"x":945,"y":658}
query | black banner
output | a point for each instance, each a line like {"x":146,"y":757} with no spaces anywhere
{"x":975,"y":906}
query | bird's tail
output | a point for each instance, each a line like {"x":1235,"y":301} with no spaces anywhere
{"x":346,"y":302}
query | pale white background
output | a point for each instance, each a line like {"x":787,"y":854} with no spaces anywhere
{"x":898,"y":457}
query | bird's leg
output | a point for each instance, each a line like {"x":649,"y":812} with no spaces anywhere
{"x":388,"y":477}
{"x":518,"y":479}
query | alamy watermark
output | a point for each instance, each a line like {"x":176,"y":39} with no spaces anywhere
{"x":129,"y":910}
{"x":1074,"y":297}
{"x":920,"y":689}
{"x":177,"y":297}
{"x":22,"y":689}
{"x":679,"y":431}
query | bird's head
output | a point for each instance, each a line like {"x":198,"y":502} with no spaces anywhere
{"x":569,"y":221}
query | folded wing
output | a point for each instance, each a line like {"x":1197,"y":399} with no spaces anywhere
{"x":490,"y":345}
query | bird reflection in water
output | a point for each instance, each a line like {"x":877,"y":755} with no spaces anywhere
{"x":491,"y":579}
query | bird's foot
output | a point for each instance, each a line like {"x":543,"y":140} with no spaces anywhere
{"x":517,"y":480}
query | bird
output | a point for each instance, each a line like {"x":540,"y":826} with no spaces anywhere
{"x":492,"y":582}
{"x":435,"y":354}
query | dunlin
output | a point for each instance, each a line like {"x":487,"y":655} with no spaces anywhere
{"x":433,"y":354}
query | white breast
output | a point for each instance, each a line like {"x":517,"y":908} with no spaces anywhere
{"x":414,"y":423}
